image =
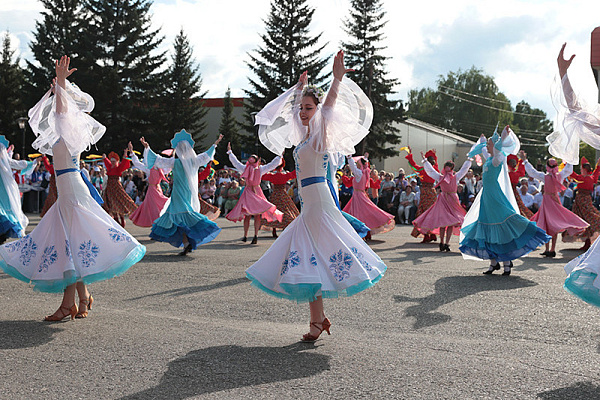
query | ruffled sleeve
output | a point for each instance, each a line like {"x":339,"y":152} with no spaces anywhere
{"x":151,"y":159}
{"x":576,"y":121}
{"x":204,"y":158}
{"x":25,"y":167}
{"x":139,"y":165}
{"x":73,"y":123}
{"x":431,"y":172}
{"x":235,"y":162}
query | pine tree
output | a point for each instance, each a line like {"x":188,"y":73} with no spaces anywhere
{"x":60,"y":32}
{"x":183,"y":93}
{"x":127,"y":78}
{"x":229,"y":129}
{"x":364,"y":54}
{"x":11,"y":85}
{"x":287,"y":50}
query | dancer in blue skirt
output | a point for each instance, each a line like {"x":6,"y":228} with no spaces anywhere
{"x":493,"y":228}
{"x":181,"y":224}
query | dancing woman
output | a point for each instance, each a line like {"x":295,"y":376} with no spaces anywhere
{"x":494,"y":229}
{"x":280,"y":198}
{"x":516,"y":170}
{"x":319,"y":255}
{"x":12,"y":220}
{"x":583,"y":205}
{"x":552,"y":216}
{"x":77,"y":242}
{"x":252,"y":202}
{"x":155,"y":200}
{"x":446,"y":213}
{"x":52,"y":191}
{"x":360,"y":206}
{"x":211,"y":211}
{"x":181,"y":224}
{"x":116,"y":201}
{"x":427,"y":194}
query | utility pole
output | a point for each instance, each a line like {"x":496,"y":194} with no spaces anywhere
{"x":595,"y":64}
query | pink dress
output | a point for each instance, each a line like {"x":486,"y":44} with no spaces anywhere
{"x":446,"y":211}
{"x":253,"y":201}
{"x":362,"y":208}
{"x":552,"y":216}
{"x":153,"y":203}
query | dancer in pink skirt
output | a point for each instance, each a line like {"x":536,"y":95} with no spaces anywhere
{"x":552,"y":216}
{"x":446,"y":213}
{"x":155,"y":200}
{"x":360,"y":206}
{"x":252,"y":202}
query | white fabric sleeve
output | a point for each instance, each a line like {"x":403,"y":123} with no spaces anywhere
{"x":566,"y":171}
{"x":235,"y":162}
{"x":154,"y":160}
{"x":463,"y":170}
{"x":18,"y":164}
{"x":355,"y":171}
{"x":534,"y":173}
{"x":139,"y":165}
{"x":429,"y":170}
{"x":499,"y":157}
{"x":270,"y":166}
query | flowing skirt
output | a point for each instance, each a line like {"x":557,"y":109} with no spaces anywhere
{"x":253,"y":202}
{"x":446,"y":211}
{"x":526,"y":212}
{"x":583,"y":275}
{"x":427,"y":200}
{"x":76,"y":241}
{"x":116,"y":200}
{"x":362,"y":208}
{"x":211,"y":212}
{"x":52,"y":196}
{"x":318,"y":254}
{"x":150,"y":209}
{"x":554,"y":218}
{"x":584,"y":208}
{"x":284,"y":203}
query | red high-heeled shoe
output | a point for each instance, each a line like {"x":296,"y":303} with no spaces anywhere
{"x":325,"y":325}
{"x":59,"y":317}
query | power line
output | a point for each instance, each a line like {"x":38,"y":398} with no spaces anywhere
{"x":475,"y":95}
{"x":490,"y":107}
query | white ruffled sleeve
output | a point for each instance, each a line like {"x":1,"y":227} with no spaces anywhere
{"x":576,"y":121}
{"x":355,"y":171}
{"x":236,"y":163}
{"x":151,"y":159}
{"x":73,"y":123}
{"x":566,"y":171}
{"x":534,"y":173}
{"x":270,"y":166}
{"x":139,"y":165}
{"x":463,"y":170}
{"x":429,"y":170}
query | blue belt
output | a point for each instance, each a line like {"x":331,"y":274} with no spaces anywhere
{"x":93,"y":191}
{"x":318,"y":179}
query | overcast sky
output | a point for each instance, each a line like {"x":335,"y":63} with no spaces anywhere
{"x":515,"y":41}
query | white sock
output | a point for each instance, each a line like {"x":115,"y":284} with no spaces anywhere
{"x":506,"y":265}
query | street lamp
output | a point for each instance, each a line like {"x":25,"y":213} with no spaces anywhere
{"x":23,"y":124}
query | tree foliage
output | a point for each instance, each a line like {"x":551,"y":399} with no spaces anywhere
{"x":286,"y":51}
{"x":364,"y":53}
{"x":229,"y":129}
{"x":11,"y":85}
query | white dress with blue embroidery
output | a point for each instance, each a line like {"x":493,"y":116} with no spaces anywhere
{"x":76,"y":241}
{"x":319,"y":253}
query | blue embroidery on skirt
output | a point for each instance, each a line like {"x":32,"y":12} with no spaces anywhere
{"x":291,"y":261}
{"x":361,"y":259}
{"x":48,"y":258}
{"x":28,"y":250}
{"x":341,"y":263}
{"x":88,"y":251}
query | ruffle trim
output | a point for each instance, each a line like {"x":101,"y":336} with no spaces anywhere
{"x":580,"y":283}
{"x":198,"y":228}
{"x":308,"y":292}
{"x":59,"y":285}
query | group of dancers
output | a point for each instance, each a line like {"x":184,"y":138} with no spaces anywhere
{"x":321,"y":252}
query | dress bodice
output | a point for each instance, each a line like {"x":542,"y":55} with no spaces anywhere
{"x":156,"y":176}
{"x":309,"y":163}
{"x":62,"y":159}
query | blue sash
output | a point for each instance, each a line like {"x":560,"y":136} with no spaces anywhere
{"x":93,"y":192}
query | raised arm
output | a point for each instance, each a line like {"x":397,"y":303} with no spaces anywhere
{"x":355,"y":170}
{"x":566,"y":171}
{"x":534,"y":173}
{"x":270,"y":166}
{"x":62,"y":73}
{"x":464,"y":169}
{"x":339,"y":70}
{"x":234,"y":161}
{"x":429,"y":170}
{"x":151,"y":159}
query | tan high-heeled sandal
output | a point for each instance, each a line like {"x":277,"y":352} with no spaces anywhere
{"x":325,"y":325}
{"x":70,"y":312}
{"x":88,"y":305}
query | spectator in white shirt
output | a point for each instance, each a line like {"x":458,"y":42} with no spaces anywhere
{"x":526,"y":196}
{"x":407,"y":201}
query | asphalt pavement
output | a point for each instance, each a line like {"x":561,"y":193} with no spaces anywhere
{"x":192,"y":327}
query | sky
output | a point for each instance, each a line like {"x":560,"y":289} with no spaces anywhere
{"x":514,"y":41}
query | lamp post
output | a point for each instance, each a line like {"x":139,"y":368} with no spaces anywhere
{"x":23,"y":124}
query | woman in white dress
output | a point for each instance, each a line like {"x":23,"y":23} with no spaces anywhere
{"x":77,"y":242}
{"x":319,"y":255}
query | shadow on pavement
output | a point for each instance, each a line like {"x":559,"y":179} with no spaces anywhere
{"x":196,"y":289}
{"x":4,"y":276}
{"x":580,"y":390}
{"x":23,"y":334}
{"x":228,"y":367}
{"x":453,"y":288}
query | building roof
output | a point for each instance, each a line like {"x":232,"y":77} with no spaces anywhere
{"x":436,"y":129}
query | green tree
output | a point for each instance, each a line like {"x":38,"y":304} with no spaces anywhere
{"x":182,"y":98}
{"x":11,"y":85}
{"x":364,"y":51}
{"x":229,"y":129}
{"x":532,"y":126}
{"x":127,"y":77}
{"x":287,"y":50}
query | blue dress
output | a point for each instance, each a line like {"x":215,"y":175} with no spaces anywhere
{"x":12,"y":220}
{"x":500,"y":233}
{"x":180,"y":216}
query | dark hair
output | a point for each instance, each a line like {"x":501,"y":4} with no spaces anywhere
{"x":449,"y":164}
{"x":312,"y":96}
{"x":550,"y":166}
{"x":587,"y":167}
{"x":256,"y":158}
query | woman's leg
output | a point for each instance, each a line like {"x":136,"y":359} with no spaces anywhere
{"x":553,"y":243}
{"x":85,"y":300}
{"x":449,"y":233}
{"x":442,"y":233}
{"x":246,"y":225}
{"x":257,"y":223}
{"x":317,"y":315}
{"x":67,"y":304}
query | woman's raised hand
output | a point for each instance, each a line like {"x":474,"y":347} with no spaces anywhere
{"x":218,"y":140}
{"x":144,"y":143}
{"x":229,"y":146}
{"x":339,"y":69}
{"x":62,"y":69}
{"x":522,"y":155}
{"x":303,"y":80}
{"x":563,"y":64}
